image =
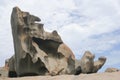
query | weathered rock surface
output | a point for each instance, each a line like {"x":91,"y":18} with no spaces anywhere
{"x":87,"y":64}
{"x":98,"y":64}
{"x":112,"y":70}
{"x":38,"y":52}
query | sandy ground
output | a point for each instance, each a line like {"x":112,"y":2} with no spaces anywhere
{"x":95,"y":76}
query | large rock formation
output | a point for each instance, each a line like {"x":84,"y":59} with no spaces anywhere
{"x":38,"y":52}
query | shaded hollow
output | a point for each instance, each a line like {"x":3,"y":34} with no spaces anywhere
{"x":12,"y":74}
{"x":48,"y":46}
{"x":32,"y":69}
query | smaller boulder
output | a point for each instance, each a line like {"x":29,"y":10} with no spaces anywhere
{"x":87,"y":64}
{"x":112,"y":70}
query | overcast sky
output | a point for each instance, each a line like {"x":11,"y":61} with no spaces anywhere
{"x":92,"y":25}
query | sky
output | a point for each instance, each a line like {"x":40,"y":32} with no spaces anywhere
{"x":83,"y":25}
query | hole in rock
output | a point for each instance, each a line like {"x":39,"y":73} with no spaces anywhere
{"x":48,"y":46}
